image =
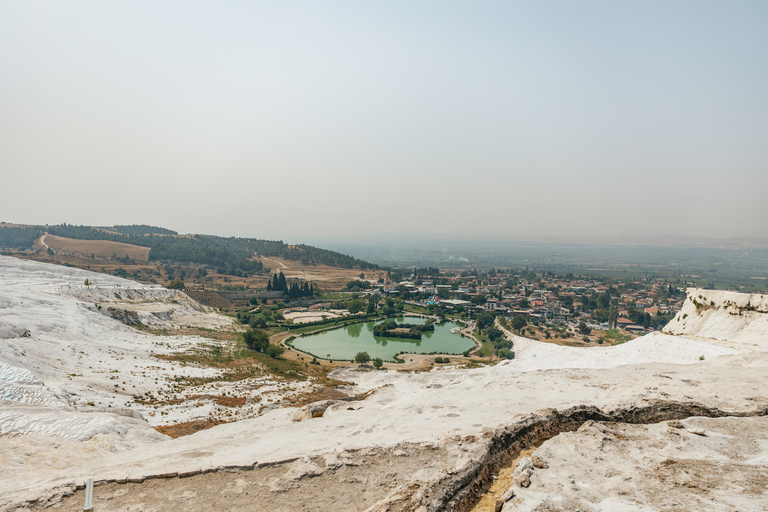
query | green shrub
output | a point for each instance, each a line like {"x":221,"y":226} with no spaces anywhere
{"x":274,"y":350}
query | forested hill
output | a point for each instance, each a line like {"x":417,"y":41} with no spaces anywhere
{"x":215,"y":251}
{"x":143,"y":229}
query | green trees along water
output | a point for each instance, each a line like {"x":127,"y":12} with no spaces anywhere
{"x":256,"y":339}
{"x":392,"y":329}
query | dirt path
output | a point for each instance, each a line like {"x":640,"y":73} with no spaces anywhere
{"x":282,"y":265}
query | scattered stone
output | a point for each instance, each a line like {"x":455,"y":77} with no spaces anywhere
{"x":313,"y":410}
{"x":523,"y":472}
{"x":538,"y":462}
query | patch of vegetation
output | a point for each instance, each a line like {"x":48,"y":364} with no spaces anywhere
{"x":393,"y":329}
{"x":362,"y":358}
{"x":19,"y":237}
{"x":616,"y":337}
{"x":143,"y":229}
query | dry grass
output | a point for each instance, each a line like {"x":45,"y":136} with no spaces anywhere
{"x":100,"y":248}
{"x":328,"y":277}
{"x":209,"y":298}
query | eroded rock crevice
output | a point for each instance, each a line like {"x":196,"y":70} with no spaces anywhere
{"x":459,"y":492}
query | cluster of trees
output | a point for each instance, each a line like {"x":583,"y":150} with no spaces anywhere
{"x":19,"y":237}
{"x":309,"y":255}
{"x":260,"y":318}
{"x":143,"y":229}
{"x":278,"y":283}
{"x":392,"y":329}
{"x":356,"y":286}
{"x":258,"y":340}
{"x":392,"y":306}
{"x":427,"y":272}
{"x":364,"y":357}
{"x":356,"y":306}
{"x":640,"y":317}
{"x":502,"y":347}
{"x":294,"y":290}
{"x":176,"y":284}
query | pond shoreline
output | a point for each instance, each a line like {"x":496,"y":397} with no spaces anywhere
{"x":342,"y":345}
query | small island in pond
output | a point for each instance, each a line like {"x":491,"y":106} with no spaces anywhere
{"x":393,"y":329}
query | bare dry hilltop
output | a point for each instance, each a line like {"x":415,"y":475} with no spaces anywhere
{"x":669,"y":421}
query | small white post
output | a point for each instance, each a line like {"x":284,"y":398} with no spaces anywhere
{"x":88,"y":496}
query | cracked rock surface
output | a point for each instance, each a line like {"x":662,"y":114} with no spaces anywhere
{"x":705,"y":464}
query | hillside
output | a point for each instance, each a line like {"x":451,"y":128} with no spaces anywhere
{"x":729,"y":317}
{"x":100,"y":248}
{"x":229,"y":255}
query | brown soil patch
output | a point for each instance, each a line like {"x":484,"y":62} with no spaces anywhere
{"x":188,"y":427}
{"x":321,"y":393}
{"x":209,"y":298}
{"x":229,"y":401}
{"x":100,"y":248}
{"x":502,"y":482}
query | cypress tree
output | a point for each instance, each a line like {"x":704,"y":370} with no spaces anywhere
{"x":281,"y":282}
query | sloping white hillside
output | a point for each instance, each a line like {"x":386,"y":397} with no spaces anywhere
{"x":730,"y":317}
{"x":651,"y":348}
{"x":61,"y":344}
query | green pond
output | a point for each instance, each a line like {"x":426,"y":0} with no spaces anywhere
{"x":345,"y":342}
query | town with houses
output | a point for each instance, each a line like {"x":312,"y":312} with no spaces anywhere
{"x":636,"y":306}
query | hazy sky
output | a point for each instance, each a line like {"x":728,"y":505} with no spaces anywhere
{"x":310,"y":119}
